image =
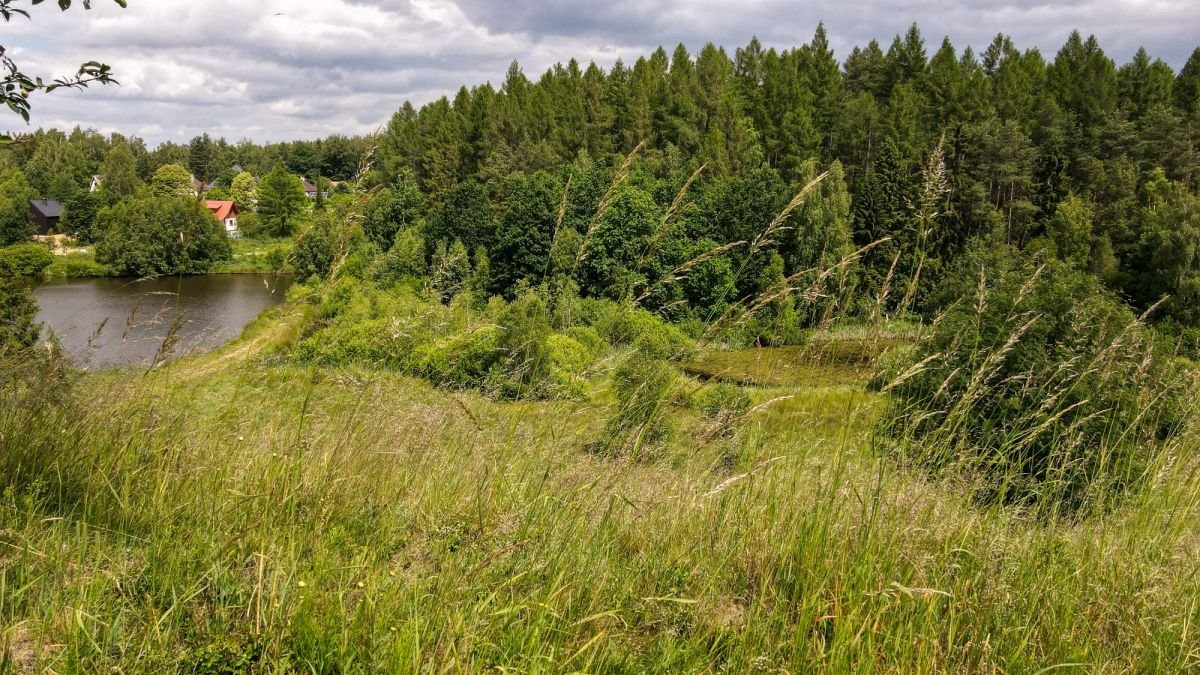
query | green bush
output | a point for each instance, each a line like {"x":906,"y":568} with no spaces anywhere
{"x":646,"y":332}
{"x":146,"y":235}
{"x":721,"y":402}
{"x":18,"y":310}
{"x":461,"y":360}
{"x":568,"y":359}
{"x":370,"y":342}
{"x":276,"y":258}
{"x":589,"y":338}
{"x":405,"y":260}
{"x":644,"y":388}
{"x":1042,"y":389}
{"x":24,"y":260}
{"x":525,"y":364}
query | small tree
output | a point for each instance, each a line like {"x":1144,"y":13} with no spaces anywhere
{"x":118,"y":175}
{"x":150,"y":236}
{"x":172,"y":180}
{"x":79,"y":215}
{"x":392,"y":210}
{"x":18,"y":311}
{"x":15,"y":193}
{"x":281,"y":201}
{"x":244,"y":192}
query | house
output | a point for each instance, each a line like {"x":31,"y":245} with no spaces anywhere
{"x":198,"y":187}
{"x":46,"y":214}
{"x":310,"y":190}
{"x":226,"y":213}
{"x":95,"y":183}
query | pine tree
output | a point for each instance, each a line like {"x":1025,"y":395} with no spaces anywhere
{"x":201,"y":158}
{"x":1187,"y":85}
{"x":1084,"y":80}
{"x":1144,"y":84}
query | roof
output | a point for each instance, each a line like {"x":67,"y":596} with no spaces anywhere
{"x":222,"y":209}
{"x":46,"y":208}
{"x":308,"y":187}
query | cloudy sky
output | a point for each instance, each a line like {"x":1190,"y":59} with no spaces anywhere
{"x":287,"y":69}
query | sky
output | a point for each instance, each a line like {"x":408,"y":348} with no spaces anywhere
{"x":271,"y":70}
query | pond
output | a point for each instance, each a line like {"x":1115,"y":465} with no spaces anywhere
{"x":126,"y":322}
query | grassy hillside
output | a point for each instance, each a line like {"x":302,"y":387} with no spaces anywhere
{"x":236,"y":512}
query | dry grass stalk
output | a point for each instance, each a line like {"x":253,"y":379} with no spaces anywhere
{"x":606,"y":202}
{"x":680,"y":273}
{"x":670,"y":218}
{"x":777,"y":223}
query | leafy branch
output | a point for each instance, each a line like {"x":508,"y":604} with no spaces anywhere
{"x":17,"y":86}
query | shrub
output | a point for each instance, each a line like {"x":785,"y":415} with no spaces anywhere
{"x":524,"y":365}
{"x":404,"y":260}
{"x":276,"y":258}
{"x":1041,"y":389}
{"x":644,"y":388}
{"x":721,"y":402}
{"x":461,"y":360}
{"x":18,"y":311}
{"x":646,"y":332}
{"x":148,"y":236}
{"x":568,"y":359}
{"x":372,"y":342}
{"x":24,"y":260}
{"x":78,"y":268}
{"x":589,"y":338}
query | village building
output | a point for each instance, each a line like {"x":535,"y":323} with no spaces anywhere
{"x":226,"y":212}
{"x":45,"y":214}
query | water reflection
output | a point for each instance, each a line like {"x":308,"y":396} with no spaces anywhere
{"x":107,"y":322}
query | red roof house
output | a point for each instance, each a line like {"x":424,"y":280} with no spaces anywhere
{"x":226,"y":212}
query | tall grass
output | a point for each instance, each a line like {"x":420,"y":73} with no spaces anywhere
{"x":241,"y":512}
{"x":269,"y":518}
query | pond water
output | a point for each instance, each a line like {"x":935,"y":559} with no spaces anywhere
{"x":125,"y":322}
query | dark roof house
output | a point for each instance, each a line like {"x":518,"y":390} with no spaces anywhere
{"x":46,"y":214}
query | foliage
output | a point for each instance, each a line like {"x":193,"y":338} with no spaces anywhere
{"x":172,"y":181}
{"x":19,"y":329}
{"x":644,"y":388}
{"x":525,"y":231}
{"x":466,"y":215}
{"x":244,"y":192}
{"x":1042,"y":389}
{"x":27,"y":260}
{"x":392,"y":210}
{"x":721,"y":402}
{"x":281,"y":202}
{"x":149,"y":235}
{"x":657,"y":339}
{"x":118,"y":174}
{"x":15,"y":193}
{"x":404,"y":260}
{"x":17,"y":86}
{"x":79,"y":215}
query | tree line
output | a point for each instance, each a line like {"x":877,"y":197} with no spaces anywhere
{"x":927,"y":156}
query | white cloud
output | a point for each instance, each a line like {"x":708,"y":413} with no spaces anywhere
{"x":281,"y":69}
